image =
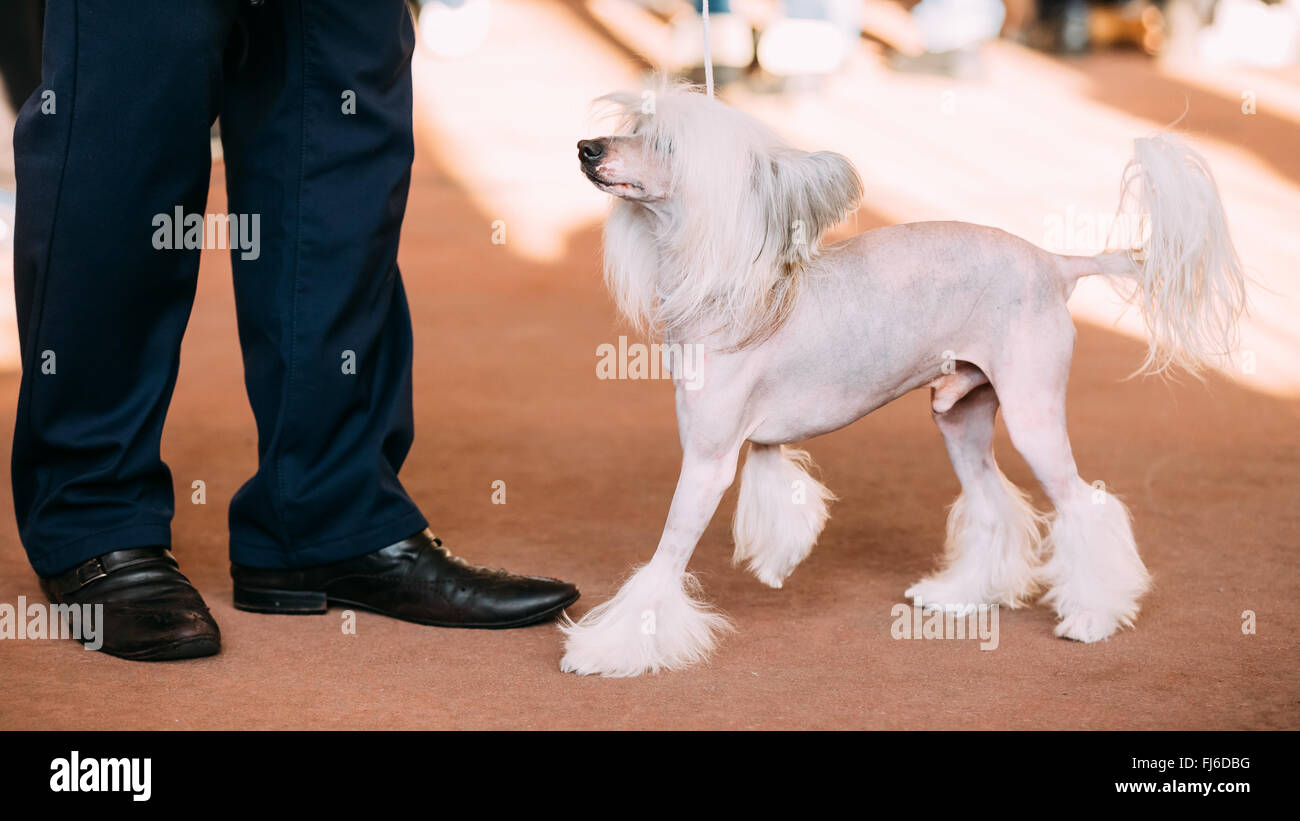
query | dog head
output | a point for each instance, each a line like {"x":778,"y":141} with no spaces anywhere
{"x":716,"y":214}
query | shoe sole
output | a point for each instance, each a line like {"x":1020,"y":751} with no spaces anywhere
{"x":311,"y":603}
{"x":175,"y":651}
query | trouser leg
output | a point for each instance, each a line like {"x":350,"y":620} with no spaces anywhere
{"x":116,"y":135}
{"x":318,"y":142}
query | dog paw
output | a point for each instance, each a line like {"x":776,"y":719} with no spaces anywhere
{"x":941,"y":593}
{"x":588,"y":655}
{"x":769,"y":577}
{"x":1095,"y":577}
{"x":655,"y":622}
{"x":1089,"y":625}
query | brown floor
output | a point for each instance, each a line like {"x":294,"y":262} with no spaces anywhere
{"x":505,"y":389}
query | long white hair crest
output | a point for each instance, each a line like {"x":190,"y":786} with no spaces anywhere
{"x":726,"y":251}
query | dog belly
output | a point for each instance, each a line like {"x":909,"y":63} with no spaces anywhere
{"x":799,"y":415}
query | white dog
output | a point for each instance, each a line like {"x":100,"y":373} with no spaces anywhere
{"x":714,"y":241}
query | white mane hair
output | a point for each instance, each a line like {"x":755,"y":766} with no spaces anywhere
{"x":746,"y":212}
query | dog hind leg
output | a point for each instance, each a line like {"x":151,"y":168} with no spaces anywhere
{"x":994,"y":533}
{"x":780,"y":512}
{"x":1094,"y":575}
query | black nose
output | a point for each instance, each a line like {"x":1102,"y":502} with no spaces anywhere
{"x":590,"y":150}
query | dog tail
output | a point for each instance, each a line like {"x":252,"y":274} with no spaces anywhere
{"x":1186,"y":276}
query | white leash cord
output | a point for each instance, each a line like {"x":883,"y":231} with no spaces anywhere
{"x":708,"y":56}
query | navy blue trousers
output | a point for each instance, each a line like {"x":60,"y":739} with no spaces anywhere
{"x":101,"y":309}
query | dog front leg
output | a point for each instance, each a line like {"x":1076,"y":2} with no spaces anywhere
{"x":657,"y":621}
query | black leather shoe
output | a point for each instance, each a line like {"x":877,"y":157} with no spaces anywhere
{"x":416,"y":579}
{"x":151,"y":611}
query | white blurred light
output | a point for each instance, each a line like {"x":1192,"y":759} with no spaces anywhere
{"x":449,"y":31}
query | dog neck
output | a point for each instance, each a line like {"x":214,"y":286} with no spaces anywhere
{"x":694,"y":278}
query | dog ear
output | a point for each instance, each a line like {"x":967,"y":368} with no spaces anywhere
{"x":808,"y":194}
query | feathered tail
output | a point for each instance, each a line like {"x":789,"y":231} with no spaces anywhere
{"x":1186,"y":276}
